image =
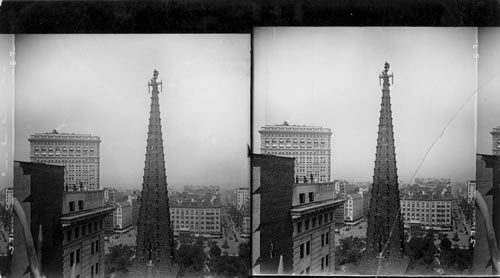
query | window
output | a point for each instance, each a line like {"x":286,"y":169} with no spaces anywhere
{"x":314,"y":222}
{"x":72,"y":206}
{"x":80,"y":205}
{"x":327,"y":237}
{"x":322,"y":263}
{"x":77,"y":255}
{"x":77,"y":232}
{"x":97,"y":246}
{"x":322,"y":240}
{"x":97,"y":268}
{"x":311,"y":196}
{"x":302,"y":198}
{"x":307,"y":225}
{"x":326,"y":260}
{"x":320,"y":219}
{"x":84,"y":230}
{"x":92,"y":271}
{"x":68,"y":235}
{"x":308,"y":248}
{"x":302,"y":251}
{"x":308,"y":269}
{"x":72,"y":258}
{"x":299,"y":227}
{"x":92,"y":248}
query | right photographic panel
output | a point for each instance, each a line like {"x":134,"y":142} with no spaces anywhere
{"x":487,"y":196}
{"x":364,"y":145}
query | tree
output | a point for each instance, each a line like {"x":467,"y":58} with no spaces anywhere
{"x":215,"y":251}
{"x":225,"y":245}
{"x":244,"y":254}
{"x":458,"y":259}
{"x":191,"y":258}
{"x":349,"y":250}
{"x":422,"y":249}
{"x":118,"y":259}
{"x":445,"y":244}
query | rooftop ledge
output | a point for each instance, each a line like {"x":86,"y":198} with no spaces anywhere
{"x":310,"y":208}
{"x":72,"y":218}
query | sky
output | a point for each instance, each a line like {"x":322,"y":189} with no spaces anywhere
{"x":488,"y":115}
{"x":6,"y":109}
{"x":329,"y":77}
{"x":97,"y":84}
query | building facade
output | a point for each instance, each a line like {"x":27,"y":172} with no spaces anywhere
{"x":9,"y":197}
{"x":313,"y":228}
{"x":309,"y":145}
{"x":495,"y":138}
{"x":195,"y":219}
{"x":353,"y":209}
{"x":340,"y":193}
{"x":242,"y":197}
{"x":427,"y":212}
{"x":83,"y":228}
{"x":471,"y":191}
{"x":272,"y":197}
{"x":122,"y":217}
{"x":71,"y":223}
{"x":78,"y":152}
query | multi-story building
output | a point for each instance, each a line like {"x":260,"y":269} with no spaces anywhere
{"x":471,"y":191}
{"x":495,"y":137}
{"x":242,"y":197}
{"x":71,"y":223}
{"x":9,"y":197}
{"x":245,"y":227}
{"x":83,"y":228}
{"x":78,"y":152}
{"x":122,"y":217}
{"x":427,"y":211}
{"x":313,"y":221}
{"x":309,"y":145}
{"x":340,"y":193}
{"x":353,"y":209}
{"x":196,"y":216}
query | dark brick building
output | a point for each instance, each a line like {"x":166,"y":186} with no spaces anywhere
{"x":39,"y":188}
{"x":272,"y":195}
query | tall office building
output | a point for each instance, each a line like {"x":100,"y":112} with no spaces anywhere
{"x":155,"y":239}
{"x":78,"y":152}
{"x":495,"y":137}
{"x":384,"y":236}
{"x":242,"y":197}
{"x":309,"y":145}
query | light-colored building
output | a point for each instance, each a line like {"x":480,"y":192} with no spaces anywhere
{"x":242,"y":197}
{"x":427,"y":210}
{"x":312,"y":214}
{"x":9,"y":197}
{"x":196,"y":217}
{"x":122,"y":217}
{"x":78,"y":152}
{"x":245,"y":227}
{"x":353,"y":209}
{"x":309,"y":145}
{"x":471,"y":191}
{"x":83,"y":230}
{"x":495,"y":137}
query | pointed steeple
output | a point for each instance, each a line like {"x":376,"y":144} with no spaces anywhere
{"x":385,"y":228}
{"x":155,"y":241}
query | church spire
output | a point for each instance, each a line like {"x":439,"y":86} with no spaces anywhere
{"x":155,"y":248}
{"x":385,"y":229}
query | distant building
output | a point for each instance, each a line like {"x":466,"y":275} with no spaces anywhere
{"x":272,"y":228}
{"x":353,"y":209}
{"x":471,"y":191}
{"x":122,"y":217}
{"x":71,"y":223}
{"x":9,"y":197}
{"x":427,"y":211}
{"x":310,"y":145}
{"x":340,"y":193}
{"x":433,"y":182}
{"x":495,"y":138}
{"x":246,"y":227}
{"x":314,"y":228}
{"x":242,"y":197}
{"x":78,"y":152}
{"x":198,"y":215}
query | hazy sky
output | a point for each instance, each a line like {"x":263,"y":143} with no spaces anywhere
{"x":97,"y":84}
{"x":329,"y":77}
{"x":489,"y":87}
{"x":6,"y":110}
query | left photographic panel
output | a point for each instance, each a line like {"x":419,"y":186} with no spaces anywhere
{"x":131,"y":155}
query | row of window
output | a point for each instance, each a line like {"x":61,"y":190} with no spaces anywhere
{"x":425,"y":204}
{"x":302,"y":197}
{"x":322,"y":219}
{"x":174,"y":211}
{"x":75,"y":232}
{"x":50,"y":149}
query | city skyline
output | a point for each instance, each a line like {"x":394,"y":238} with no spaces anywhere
{"x":329,"y":77}
{"x":97,"y":84}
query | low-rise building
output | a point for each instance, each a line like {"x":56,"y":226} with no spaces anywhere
{"x":122,"y":217}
